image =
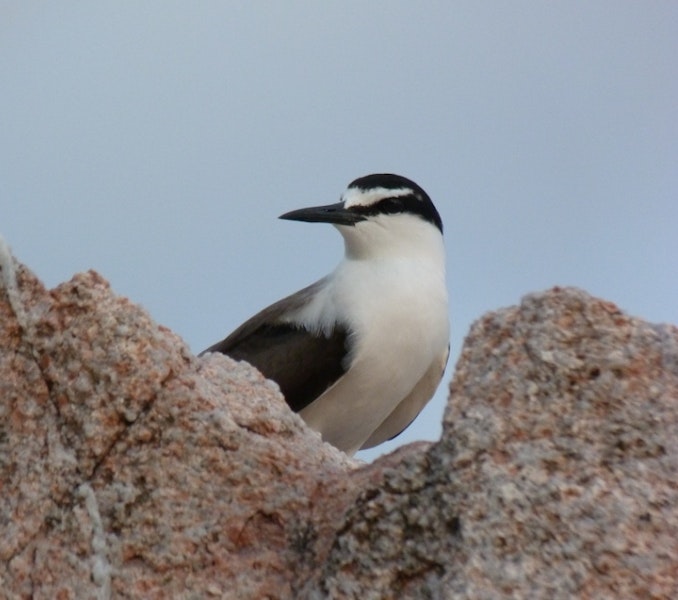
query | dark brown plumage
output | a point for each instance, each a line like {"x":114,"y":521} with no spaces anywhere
{"x":303,"y":363}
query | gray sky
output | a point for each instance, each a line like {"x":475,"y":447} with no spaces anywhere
{"x":158,"y":141}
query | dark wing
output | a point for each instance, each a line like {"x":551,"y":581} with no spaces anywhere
{"x":303,"y":363}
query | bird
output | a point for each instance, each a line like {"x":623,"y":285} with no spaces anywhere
{"x":359,"y":353}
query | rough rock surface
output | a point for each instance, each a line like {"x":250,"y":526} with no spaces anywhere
{"x":131,"y":469}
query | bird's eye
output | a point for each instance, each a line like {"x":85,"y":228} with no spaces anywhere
{"x":392,"y":205}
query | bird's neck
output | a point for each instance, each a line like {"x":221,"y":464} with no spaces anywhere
{"x":408,"y":238}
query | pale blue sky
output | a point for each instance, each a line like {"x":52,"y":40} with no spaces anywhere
{"x":158,"y":141}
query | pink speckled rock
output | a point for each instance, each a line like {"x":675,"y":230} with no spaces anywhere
{"x":131,"y":469}
{"x":125,"y":469}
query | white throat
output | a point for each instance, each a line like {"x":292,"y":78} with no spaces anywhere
{"x":394,"y":236}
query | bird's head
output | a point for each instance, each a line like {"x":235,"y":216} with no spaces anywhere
{"x":379,"y":214}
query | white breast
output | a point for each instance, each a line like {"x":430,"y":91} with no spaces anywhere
{"x":396,"y":306}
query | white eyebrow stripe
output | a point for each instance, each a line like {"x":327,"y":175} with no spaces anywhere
{"x":357,"y":197}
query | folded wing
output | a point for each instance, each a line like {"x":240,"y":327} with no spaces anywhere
{"x":303,"y":363}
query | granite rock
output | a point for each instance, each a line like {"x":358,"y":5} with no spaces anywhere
{"x":556,"y":475}
{"x":129,"y":468}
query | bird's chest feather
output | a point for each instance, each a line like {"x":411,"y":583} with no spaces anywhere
{"x":395,"y":309}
